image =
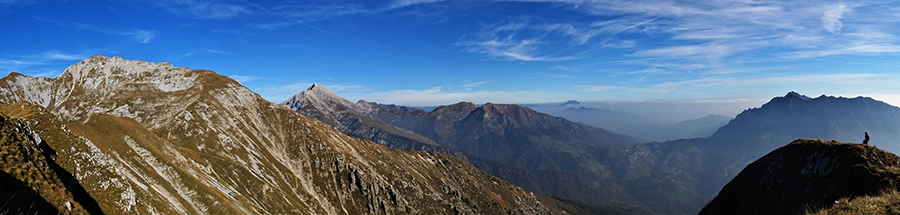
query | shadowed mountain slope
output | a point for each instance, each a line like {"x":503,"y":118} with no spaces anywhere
{"x":531,"y":135}
{"x":681,"y":176}
{"x":796,"y":116}
{"x":807,"y":175}
{"x":153,"y":138}
{"x":33,"y":183}
{"x":510,"y":134}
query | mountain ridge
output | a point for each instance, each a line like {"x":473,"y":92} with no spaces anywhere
{"x":521,"y":157}
{"x":188,"y":147}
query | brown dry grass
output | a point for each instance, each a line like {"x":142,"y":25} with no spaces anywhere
{"x":887,"y":202}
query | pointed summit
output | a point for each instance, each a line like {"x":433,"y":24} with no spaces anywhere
{"x":792,"y":95}
{"x":317,"y":86}
{"x":319,"y":102}
{"x":322,"y":93}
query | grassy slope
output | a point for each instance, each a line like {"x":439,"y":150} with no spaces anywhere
{"x":233,"y":154}
{"x":888,"y":202}
{"x":30,"y":184}
{"x":809,"y":175}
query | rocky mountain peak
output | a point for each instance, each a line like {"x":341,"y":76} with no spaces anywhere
{"x":320,"y":92}
{"x":318,"y":101}
{"x":458,"y":107}
{"x":218,"y":148}
{"x":795,"y":96}
{"x":318,"y":88}
{"x":796,"y":116}
{"x":113,"y":85}
{"x":100,"y":72}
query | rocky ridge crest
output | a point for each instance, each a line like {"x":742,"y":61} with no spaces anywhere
{"x":150,"y":138}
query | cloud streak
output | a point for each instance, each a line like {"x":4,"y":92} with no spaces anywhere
{"x":202,"y":9}
{"x":765,"y":80}
{"x":437,"y":96}
{"x":831,"y":19}
{"x":42,"y":64}
{"x":143,"y":36}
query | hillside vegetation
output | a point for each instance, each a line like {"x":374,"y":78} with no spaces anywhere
{"x":33,"y":183}
{"x":809,"y":175}
{"x":888,"y":202}
{"x":151,"y":138}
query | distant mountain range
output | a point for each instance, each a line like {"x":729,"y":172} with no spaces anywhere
{"x":677,"y":176}
{"x":698,"y":168}
{"x":635,"y":125}
{"x":530,"y":149}
{"x":696,"y":128}
{"x":639,"y":127}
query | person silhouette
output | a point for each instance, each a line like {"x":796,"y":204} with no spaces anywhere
{"x":866,"y":141}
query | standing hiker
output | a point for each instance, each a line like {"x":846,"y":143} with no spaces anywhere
{"x":866,"y":141}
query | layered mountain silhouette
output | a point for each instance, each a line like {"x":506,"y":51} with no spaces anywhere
{"x":126,"y":136}
{"x":696,"y":128}
{"x":681,"y":176}
{"x":806,"y":176}
{"x":678,"y":176}
{"x":833,"y":118}
{"x":148,"y":138}
{"x":634,"y":125}
{"x":539,"y":152}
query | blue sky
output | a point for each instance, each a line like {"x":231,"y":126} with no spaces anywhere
{"x":431,"y":52}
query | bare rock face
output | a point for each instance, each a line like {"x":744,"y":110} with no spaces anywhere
{"x":151,"y":138}
{"x":353,"y":119}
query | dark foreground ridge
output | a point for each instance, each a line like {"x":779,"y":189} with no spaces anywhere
{"x":806,"y":176}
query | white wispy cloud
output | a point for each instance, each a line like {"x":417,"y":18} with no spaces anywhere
{"x":50,"y":73}
{"x":143,"y":36}
{"x":522,"y":41}
{"x":437,"y":96}
{"x":857,"y":49}
{"x":831,"y":19}
{"x":57,"y":55}
{"x":15,"y":2}
{"x":11,"y":65}
{"x":404,"y":3}
{"x":44,"y":64}
{"x":244,"y":78}
{"x":214,"y":51}
{"x":766,"y":80}
{"x":596,"y":88}
{"x":182,"y":56}
{"x":473,"y":84}
{"x":203,"y":9}
{"x":293,"y":14}
{"x":512,"y":49}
